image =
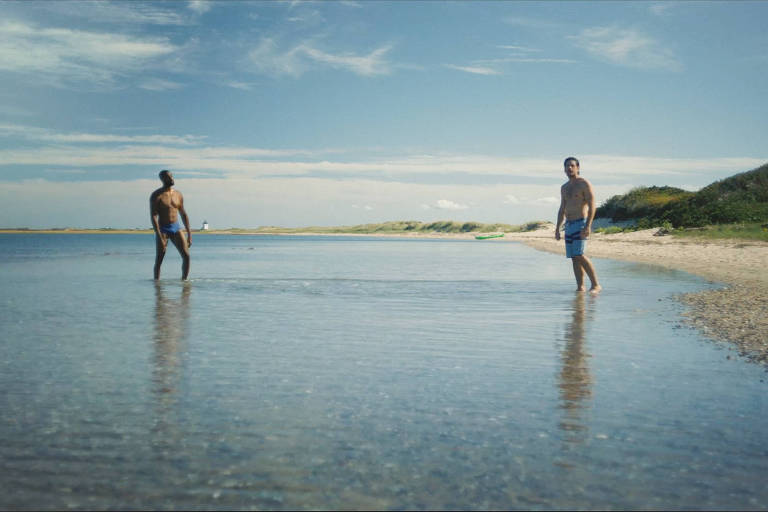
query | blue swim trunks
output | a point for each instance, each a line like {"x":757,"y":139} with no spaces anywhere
{"x":172,"y":228}
{"x":574,"y":245}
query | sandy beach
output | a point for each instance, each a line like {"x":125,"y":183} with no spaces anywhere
{"x":735,"y":313}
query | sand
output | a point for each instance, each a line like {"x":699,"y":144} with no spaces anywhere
{"x":737,"y":312}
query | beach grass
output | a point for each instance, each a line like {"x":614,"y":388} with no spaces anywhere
{"x":748,"y":231}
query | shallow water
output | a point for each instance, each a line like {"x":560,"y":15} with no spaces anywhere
{"x":359,"y":373}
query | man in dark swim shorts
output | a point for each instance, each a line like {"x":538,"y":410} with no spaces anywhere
{"x":166,"y":205}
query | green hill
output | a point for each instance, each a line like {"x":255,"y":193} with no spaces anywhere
{"x":742,"y":198}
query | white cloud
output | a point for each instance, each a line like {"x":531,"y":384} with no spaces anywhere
{"x":138,"y":13}
{"x":367,"y":65}
{"x":64,"y":55}
{"x":509,"y":60}
{"x":626,"y":47}
{"x":476,"y":70}
{"x":33,"y":133}
{"x":158,"y":84}
{"x":661,"y":8}
{"x":188,"y":153}
{"x":517,"y":48}
{"x":446,"y":204}
{"x":243,"y":86}
{"x":548,"y":200}
{"x":200,"y":6}
{"x":269,"y":59}
{"x":531,"y":23}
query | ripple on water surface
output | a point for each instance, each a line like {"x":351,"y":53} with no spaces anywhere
{"x":296,"y":373}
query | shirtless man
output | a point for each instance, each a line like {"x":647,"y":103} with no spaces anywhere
{"x":577,"y":208}
{"x":165,"y":205}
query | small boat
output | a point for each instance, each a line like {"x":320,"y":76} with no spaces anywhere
{"x":485,"y":237}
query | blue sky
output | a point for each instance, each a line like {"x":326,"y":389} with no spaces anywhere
{"x":335,"y":113}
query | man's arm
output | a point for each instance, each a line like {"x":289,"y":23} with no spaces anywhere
{"x":153,"y":213}
{"x":589,"y":198}
{"x":185,"y":218}
{"x":560,"y":214}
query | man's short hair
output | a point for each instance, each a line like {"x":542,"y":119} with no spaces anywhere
{"x":164,"y":171}
{"x":565,"y":163}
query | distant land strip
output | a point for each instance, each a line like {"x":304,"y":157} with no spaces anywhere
{"x":392,"y":227}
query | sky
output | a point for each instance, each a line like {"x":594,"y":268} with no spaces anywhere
{"x":327,"y":113}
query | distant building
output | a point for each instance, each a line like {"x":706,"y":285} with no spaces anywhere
{"x":205,"y":226}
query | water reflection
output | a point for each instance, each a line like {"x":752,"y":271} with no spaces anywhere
{"x":171,"y":319}
{"x":575,"y":380}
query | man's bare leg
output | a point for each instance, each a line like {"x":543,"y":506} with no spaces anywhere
{"x":180,"y":241}
{"x":578,"y":272}
{"x":160,"y":245}
{"x":587,"y":267}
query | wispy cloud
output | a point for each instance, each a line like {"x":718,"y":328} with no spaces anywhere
{"x":36,"y":134}
{"x":200,"y":6}
{"x":475,"y":70}
{"x":367,"y":65}
{"x":134,"y":13}
{"x":661,"y":8}
{"x":532,"y":23}
{"x":157,"y":84}
{"x":269,"y":59}
{"x":65,"y":55}
{"x":547,"y":200}
{"x":517,"y":48}
{"x":190,"y":153}
{"x":626,"y":47}
{"x":513,"y":54}
{"x":243,"y":86}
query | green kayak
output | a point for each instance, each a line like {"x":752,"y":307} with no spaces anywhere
{"x":485,"y":237}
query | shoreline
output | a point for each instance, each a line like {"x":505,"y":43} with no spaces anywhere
{"x":734,"y":313}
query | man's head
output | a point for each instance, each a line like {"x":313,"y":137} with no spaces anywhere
{"x":571,"y":166}
{"x":166,"y":177}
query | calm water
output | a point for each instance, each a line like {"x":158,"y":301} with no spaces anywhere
{"x":325,"y":373}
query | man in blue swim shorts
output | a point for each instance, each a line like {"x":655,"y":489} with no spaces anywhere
{"x":577,"y":209}
{"x":166,"y":205}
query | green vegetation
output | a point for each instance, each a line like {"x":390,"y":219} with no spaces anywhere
{"x":409,"y":226}
{"x":640,"y":202}
{"x":614,"y":229}
{"x":740,"y":199}
{"x":751,"y":231}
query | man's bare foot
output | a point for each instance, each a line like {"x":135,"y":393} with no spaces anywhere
{"x":595,"y":289}
{"x":580,"y":289}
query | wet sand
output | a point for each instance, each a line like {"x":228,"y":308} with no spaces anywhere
{"x":735,"y":313}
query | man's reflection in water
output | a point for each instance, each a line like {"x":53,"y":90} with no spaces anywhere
{"x":575,"y":381}
{"x":171,"y":318}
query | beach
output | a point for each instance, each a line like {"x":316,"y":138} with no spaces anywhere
{"x":733,"y":313}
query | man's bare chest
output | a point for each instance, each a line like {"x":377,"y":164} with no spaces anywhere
{"x":573,"y":191}
{"x":167,"y":200}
